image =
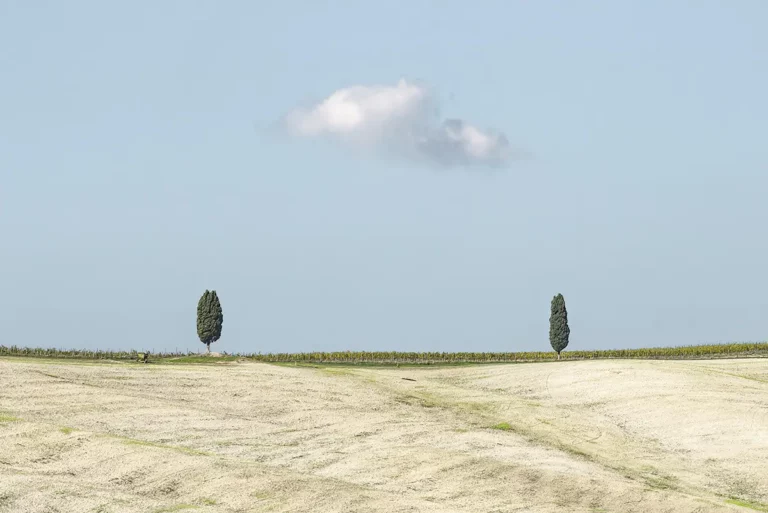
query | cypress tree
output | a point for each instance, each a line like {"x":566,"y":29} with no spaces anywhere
{"x":558,"y":325}
{"x":209,"y":318}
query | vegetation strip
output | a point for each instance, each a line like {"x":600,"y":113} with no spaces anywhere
{"x":746,"y":504}
{"x":755,"y":349}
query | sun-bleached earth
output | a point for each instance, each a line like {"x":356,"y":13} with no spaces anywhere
{"x":592,"y":436}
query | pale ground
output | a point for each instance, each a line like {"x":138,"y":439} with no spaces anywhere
{"x":609,"y":436}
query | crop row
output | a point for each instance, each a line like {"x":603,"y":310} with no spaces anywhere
{"x":393,"y":357}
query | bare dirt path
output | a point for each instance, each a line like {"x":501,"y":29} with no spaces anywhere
{"x":592,"y":436}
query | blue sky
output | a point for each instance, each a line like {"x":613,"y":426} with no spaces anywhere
{"x":140,"y":164}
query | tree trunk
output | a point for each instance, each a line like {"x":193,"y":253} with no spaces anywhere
{"x":208,"y":346}
{"x":558,"y":355}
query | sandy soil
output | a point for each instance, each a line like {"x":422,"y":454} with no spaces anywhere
{"x":592,"y":436}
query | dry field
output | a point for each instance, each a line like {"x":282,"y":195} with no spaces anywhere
{"x":590,"y":436}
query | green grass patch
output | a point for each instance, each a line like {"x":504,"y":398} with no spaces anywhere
{"x":734,"y":374}
{"x":66,"y":430}
{"x":755,"y":506}
{"x":49,"y":375}
{"x":185,"y":450}
{"x":338,"y":371}
{"x":575,"y":452}
{"x":177,"y":507}
{"x":380,"y":365}
{"x":208,"y":502}
{"x":8,"y":418}
{"x":50,"y":360}
{"x":190,"y":360}
{"x":473,"y":407}
{"x":532,"y":437}
{"x":658,"y":483}
{"x":657,"y":480}
{"x":422,"y":400}
{"x":143,"y":443}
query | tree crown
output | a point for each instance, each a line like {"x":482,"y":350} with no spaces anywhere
{"x":209,"y":317}
{"x":558,"y":324}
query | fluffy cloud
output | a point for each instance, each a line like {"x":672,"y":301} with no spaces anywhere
{"x":399,"y":120}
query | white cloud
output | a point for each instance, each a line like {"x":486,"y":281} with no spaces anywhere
{"x":400,"y":120}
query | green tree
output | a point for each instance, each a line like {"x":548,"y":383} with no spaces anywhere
{"x":558,"y":325}
{"x":209,"y":318}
